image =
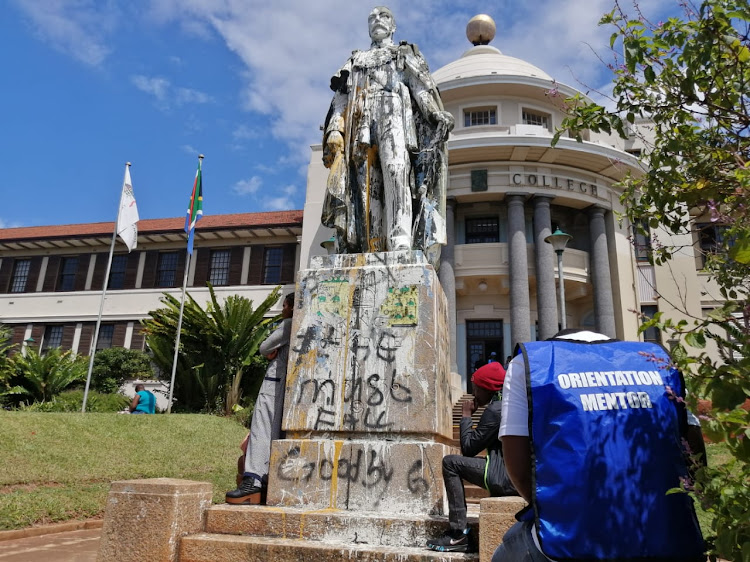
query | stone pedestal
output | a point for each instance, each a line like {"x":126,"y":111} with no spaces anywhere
{"x":368,"y":407}
{"x":145,"y":519}
{"x":496,"y":516}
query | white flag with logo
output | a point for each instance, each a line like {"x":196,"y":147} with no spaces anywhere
{"x":127,"y":218}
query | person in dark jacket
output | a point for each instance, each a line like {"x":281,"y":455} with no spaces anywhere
{"x":488,"y":472}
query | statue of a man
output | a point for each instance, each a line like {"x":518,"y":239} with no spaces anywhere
{"x":384,"y":143}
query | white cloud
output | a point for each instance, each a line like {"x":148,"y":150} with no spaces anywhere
{"x":79,"y":28}
{"x":184,"y":96}
{"x":284,"y":201}
{"x":289,"y":50}
{"x":248,"y":187}
{"x":266,"y":169}
{"x":243,"y":132}
{"x":9,"y":224}
{"x":167,"y":95}
{"x":157,"y":87}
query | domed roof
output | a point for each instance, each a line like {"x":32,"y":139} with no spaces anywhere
{"x":485,"y":60}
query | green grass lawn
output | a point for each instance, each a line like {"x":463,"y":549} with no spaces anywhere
{"x":58,"y":467}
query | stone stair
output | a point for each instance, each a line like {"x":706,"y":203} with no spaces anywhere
{"x":245,"y":533}
{"x":473,"y":493}
{"x":250,"y":533}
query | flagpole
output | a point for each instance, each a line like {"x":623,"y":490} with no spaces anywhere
{"x":92,"y":351}
{"x":179,"y":329}
{"x":188,"y":255}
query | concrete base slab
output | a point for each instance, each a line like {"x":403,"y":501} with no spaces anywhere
{"x":68,"y":546}
{"x":209,"y":548}
{"x":328,"y":525}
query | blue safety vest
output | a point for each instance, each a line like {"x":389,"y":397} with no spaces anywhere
{"x":605,"y":426}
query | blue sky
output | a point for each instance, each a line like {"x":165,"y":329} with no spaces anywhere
{"x":92,"y":84}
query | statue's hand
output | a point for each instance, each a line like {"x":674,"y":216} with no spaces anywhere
{"x":445,"y":118}
{"x":334,"y":145}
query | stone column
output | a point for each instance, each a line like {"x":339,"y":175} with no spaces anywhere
{"x":604,"y":310}
{"x":145,"y":519}
{"x":447,"y":276}
{"x":546,"y":298}
{"x":520,"y":330}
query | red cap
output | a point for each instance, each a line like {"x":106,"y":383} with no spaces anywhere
{"x":490,"y":376}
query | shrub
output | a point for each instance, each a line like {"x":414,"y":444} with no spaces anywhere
{"x":72,"y":401}
{"x":115,"y":365}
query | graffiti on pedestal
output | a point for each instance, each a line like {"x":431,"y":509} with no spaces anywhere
{"x":358,"y":472}
{"x":349,"y":351}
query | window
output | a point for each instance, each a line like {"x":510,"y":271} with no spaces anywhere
{"x":642,"y":241}
{"x":480,"y":116}
{"x":20,"y":276}
{"x":106,"y":332}
{"x":482,"y":230}
{"x":117,"y":272}
{"x":712,"y":239}
{"x":52,"y":337}
{"x":484,"y":328}
{"x":68,"y":272}
{"x":650,"y":334}
{"x":218,"y":273}
{"x":536,"y":118}
{"x":166,"y":270}
{"x":272,"y":260}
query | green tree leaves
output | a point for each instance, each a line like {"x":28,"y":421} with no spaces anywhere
{"x":217,"y":346}
{"x":114,"y":365}
{"x":690,"y":77}
{"x":43,"y":376}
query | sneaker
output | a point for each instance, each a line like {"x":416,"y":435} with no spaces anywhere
{"x":452,"y":541}
{"x":246,"y":493}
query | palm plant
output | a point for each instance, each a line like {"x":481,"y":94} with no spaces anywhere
{"x":217,"y":345}
{"x":6,"y":361}
{"x":41,"y":376}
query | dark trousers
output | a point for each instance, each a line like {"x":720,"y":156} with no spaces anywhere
{"x":455,"y":469}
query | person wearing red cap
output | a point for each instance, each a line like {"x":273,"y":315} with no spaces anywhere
{"x":488,"y":472}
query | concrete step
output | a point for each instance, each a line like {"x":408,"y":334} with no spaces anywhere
{"x":474,"y":493}
{"x":326,"y":525}
{"x":208,"y":547}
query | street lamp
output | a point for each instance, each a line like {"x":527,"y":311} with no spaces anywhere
{"x":26,"y":344}
{"x":329,"y":245}
{"x":559,"y":240}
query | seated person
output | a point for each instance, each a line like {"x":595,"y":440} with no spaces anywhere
{"x":144,"y":401}
{"x":592,"y":433}
{"x":488,"y":472}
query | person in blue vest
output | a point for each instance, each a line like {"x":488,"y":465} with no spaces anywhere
{"x":592,"y":434}
{"x":144,"y":401}
{"x":488,"y":472}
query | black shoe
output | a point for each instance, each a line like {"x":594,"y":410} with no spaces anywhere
{"x":247,"y":493}
{"x":453,"y":541}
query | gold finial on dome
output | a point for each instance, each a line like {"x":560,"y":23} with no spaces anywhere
{"x":481,"y":29}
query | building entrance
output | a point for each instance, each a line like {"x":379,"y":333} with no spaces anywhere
{"x":483,"y":338}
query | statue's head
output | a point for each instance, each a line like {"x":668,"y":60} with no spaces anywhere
{"x":381,"y":22}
